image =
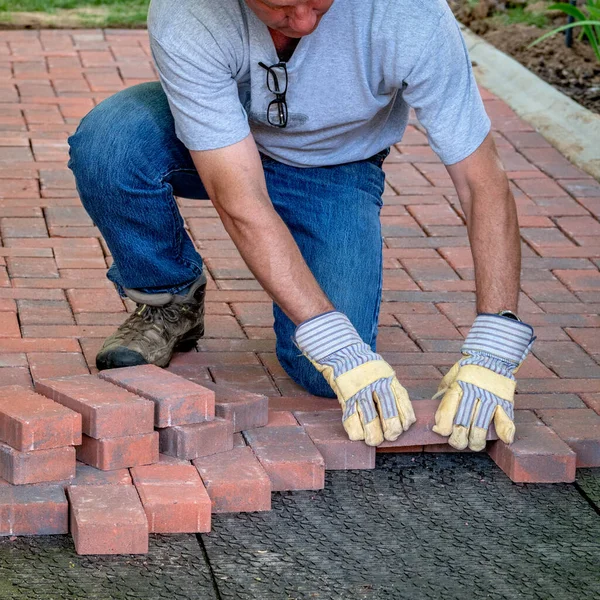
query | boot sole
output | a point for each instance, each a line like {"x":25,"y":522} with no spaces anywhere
{"x":124,"y":357}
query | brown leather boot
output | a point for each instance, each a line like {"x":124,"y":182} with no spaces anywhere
{"x":160,"y":324}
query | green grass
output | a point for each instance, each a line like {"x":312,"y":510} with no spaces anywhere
{"x":85,"y":13}
{"x":519,"y":15}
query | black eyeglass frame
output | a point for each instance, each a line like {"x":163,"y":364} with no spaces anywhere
{"x":280,"y":101}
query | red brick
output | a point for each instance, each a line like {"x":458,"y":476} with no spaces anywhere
{"x":172,"y":460}
{"x":197,"y":440}
{"x":420,"y":433}
{"x":580,"y":280}
{"x":251,"y":378}
{"x":21,"y":227}
{"x":329,"y":436}
{"x":592,"y":401}
{"x":33,"y":510}
{"x":433,"y":327}
{"x":588,"y":339}
{"x":429,"y":269}
{"x":535,"y":401}
{"x":235,"y":481}
{"x":177,"y":401}
{"x":31,"y":267}
{"x":173,"y":497}
{"x":547,"y":291}
{"x":580,"y":429}
{"x":289,"y":457}
{"x":411,"y":449}
{"x":566,"y":359}
{"x":304,"y":403}
{"x":88,"y":475}
{"x":238,"y":440}
{"x":38,"y":345}
{"x":277,"y":418}
{"x":98,"y":300}
{"x":537,"y":455}
{"x":36,"y":466}
{"x":45,"y":365}
{"x":44,"y":312}
{"x":244,"y":409}
{"x":107,"y":519}
{"x":107,"y":410}
{"x":9,"y":325}
{"x":15,"y":376}
{"x":113,"y":453}
{"x":29,"y":421}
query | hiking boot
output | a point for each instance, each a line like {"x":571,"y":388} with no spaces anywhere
{"x":161,"y":324}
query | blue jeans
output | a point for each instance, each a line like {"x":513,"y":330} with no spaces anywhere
{"x":129,"y":165}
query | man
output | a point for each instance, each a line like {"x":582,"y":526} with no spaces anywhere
{"x":282,"y":112}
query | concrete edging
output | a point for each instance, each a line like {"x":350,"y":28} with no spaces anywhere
{"x":568,"y":126}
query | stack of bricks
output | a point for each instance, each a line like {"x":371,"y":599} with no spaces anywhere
{"x":37,"y":439}
{"x":221,"y":450}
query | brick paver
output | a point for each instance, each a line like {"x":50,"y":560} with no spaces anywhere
{"x":56,"y":306}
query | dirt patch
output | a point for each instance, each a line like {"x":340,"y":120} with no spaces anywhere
{"x":574,"y":71}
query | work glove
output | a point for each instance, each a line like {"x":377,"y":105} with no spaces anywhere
{"x":481,"y":386}
{"x":375,"y":406}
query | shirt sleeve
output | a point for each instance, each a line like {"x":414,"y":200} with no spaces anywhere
{"x":442,"y":90}
{"x":202,"y":92}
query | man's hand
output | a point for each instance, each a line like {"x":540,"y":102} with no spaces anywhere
{"x":375,"y":405}
{"x":481,"y":386}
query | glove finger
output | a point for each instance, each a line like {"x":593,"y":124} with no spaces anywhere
{"x":385,"y":403}
{"x":503,"y":421}
{"x":365,"y":407}
{"x":447,"y":380}
{"x":459,"y":438}
{"x":444,"y":416}
{"x":351,"y":421}
{"x":403,"y":404}
{"x":460,"y":432}
{"x":481,"y":420}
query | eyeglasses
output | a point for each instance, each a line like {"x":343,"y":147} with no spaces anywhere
{"x":277,"y":82}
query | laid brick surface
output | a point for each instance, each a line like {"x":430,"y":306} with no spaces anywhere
{"x":33,"y":510}
{"x":52,"y":258}
{"x":196,"y":440}
{"x":580,"y":429}
{"x":36,"y":466}
{"x":235,"y":481}
{"x":107,"y":519}
{"x":329,"y":436}
{"x":107,"y":410}
{"x":537,"y":455}
{"x":119,"y":452}
{"x":173,"y":497}
{"x":29,"y":421}
{"x":289,"y":457}
{"x":177,"y":401}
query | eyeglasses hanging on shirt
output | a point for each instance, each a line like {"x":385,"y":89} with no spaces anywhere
{"x":277,"y":82}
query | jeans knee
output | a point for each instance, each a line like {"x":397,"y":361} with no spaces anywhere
{"x":112,"y":145}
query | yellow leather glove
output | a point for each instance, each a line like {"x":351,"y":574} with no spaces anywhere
{"x":375,"y":406}
{"x":481,"y":386}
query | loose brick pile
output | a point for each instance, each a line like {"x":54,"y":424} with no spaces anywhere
{"x":56,"y":307}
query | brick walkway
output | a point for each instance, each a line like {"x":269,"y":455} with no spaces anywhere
{"x":56,"y":305}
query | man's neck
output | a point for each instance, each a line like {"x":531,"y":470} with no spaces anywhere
{"x":284,"y":45}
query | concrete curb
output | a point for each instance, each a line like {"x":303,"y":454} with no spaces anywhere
{"x":568,"y":126}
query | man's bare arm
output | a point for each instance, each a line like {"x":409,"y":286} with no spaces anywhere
{"x":235,"y":182}
{"x":492,"y":224}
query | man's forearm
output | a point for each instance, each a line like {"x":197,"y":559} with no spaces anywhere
{"x":269,"y":250}
{"x":495,"y":243}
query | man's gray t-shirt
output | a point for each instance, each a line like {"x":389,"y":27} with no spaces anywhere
{"x":350,"y":83}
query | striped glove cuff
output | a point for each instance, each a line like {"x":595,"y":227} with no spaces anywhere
{"x":325,"y":334}
{"x":499,"y":337}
